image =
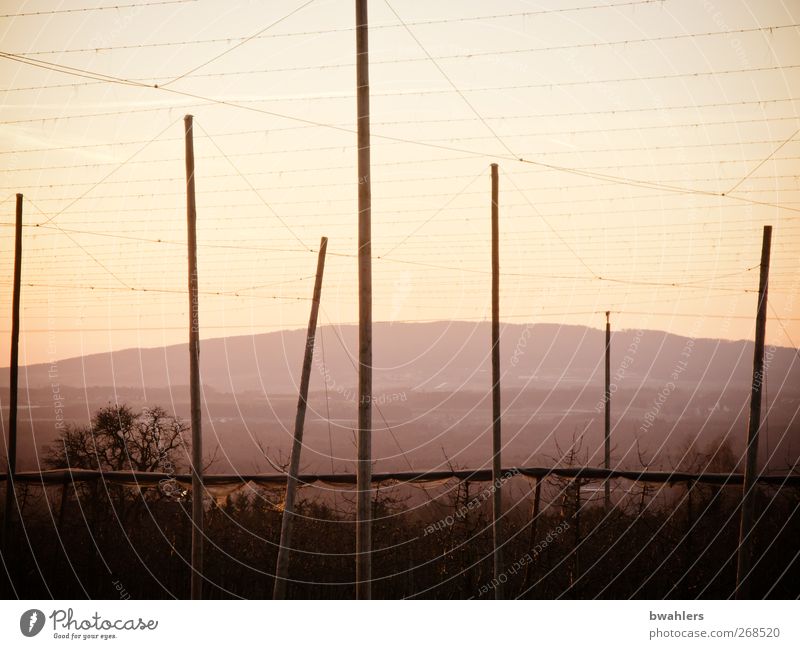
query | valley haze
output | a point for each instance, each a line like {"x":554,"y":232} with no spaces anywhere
{"x":432,"y":396}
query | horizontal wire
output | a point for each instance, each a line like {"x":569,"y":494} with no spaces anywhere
{"x":373,"y":27}
{"x":252,"y":188}
{"x":162,"y":290}
{"x":576,"y":201}
{"x":242,"y":41}
{"x":614,"y":111}
{"x":136,"y":5}
{"x":569,"y":170}
{"x":629,"y":181}
{"x":391,"y":181}
{"x":646,"y":127}
{"x":256,"y":154}
{"x":464,"y":55}
{"x":344,"y":96}
{"x":350,"y":168}
{"x":673,"y":228}
{"x":598,"y":243}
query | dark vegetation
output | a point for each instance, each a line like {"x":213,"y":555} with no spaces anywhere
{"x":89,"y":538}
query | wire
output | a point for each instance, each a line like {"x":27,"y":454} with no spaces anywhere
{"x":616,"y":129}
{"x":432,"y":91}
{"x":772,"y":187}
{"x":435,"y":214}
{"x":569,"y":170}
{"x":765,"y":160}
{"x":642,"y":211}
{"x":394,"y":163}
{"x":532,"y":86}
{"x":66,"y":69}
{"x":108,"y":175}
{"x":451,"y":82}
{"x":488,"y":54}
{"x":237,"y":45}
{"x":240,"y":246}
{"x":785,"y":331}
{"x":505,"y":52}
{"x":89,"y":254}
{"x":137,"y":5}
{"x":438,"y":21}
{"x":255,"y":191}
{"x":724,"y":316}
{"x":433,"y":143}
{"x":595,"y":276}
{"x":140,"y":289}
{"x":550,"y":227}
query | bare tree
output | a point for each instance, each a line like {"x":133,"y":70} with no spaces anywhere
{"x":118,"y":439}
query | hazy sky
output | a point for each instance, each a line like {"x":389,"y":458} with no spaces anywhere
{"x":681,"y":94}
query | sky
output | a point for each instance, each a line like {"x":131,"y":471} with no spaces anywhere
{"x":642,"y":146}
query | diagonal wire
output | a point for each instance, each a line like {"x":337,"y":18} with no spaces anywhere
{"x":107,"y":176}
{"x":237,"y":45}
{"x":336,"y":30}
{"x":451,"y":82}
{"x":255,"y":191}
{"x":434,"y":215}
{"x":75,"y":72}
{"x":71,"y":238}
{"x":551,"y":228}
{"x":765,"y":160}
{"x":222,"y":102}
{"x":785,"y":331}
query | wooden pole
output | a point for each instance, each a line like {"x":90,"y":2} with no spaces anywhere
{"x":576,"y":562}
{"x":607,"y":440}
{"x":745,"y":550}
{"x":689,"y":524}
{"x":364,"y":465}
{"x":13,"y":388}
{"x":287,"y":520}
{"x":497,"y":499}
{"x":194,"y":372}
{"x":62,"y":508}
{"x":537,"y":503}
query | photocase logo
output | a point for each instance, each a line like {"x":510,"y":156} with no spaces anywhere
{"x":31,"y":622}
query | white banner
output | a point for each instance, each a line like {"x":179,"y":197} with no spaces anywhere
{"x":604,"y":623}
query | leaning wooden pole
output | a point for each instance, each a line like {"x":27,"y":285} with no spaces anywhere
{"x":364,"y":471}
{"x":607,"y":437}
{"x":194,"y":371}
{"x":287,"y":520}
{"x":497,"y":499}
{"x":745,"y":550}
{"x":13,"y":387}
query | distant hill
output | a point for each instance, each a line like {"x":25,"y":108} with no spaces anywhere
{"x":429,"y":356}
{"x":432,"y":387}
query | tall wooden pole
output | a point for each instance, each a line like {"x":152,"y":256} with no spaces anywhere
{"x":745,"y":551}
{"x":194,"y":372}
{"x":364,"y":472}
{"x":497,"y":499}
{"x":287,"y":520}
{"x":607,"y":440}
{"x":13,"y":386}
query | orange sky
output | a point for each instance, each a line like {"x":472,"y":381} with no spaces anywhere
{"x":632,"y":119}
